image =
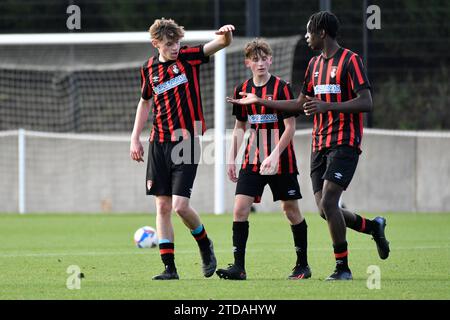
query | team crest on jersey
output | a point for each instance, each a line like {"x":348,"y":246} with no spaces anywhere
{"x":316,"y":74}
{"x":155,"y":79}
{"x":269,"y":97}
{"x":333,"y":72}
{"x":175,"y":69}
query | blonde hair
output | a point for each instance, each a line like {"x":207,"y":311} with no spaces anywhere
{"x":257,"y":47}
{"x":166,"y":28}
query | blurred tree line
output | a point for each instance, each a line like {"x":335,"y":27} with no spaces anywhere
{"x":408,"y":58}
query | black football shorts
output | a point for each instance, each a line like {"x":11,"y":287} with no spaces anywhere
{"x":336,"y":164}
{"x":283,"y":186}
{"x":172,"y":167}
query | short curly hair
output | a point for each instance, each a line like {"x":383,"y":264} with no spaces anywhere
{"x":256,"y":47}
{"x":166,"y":28}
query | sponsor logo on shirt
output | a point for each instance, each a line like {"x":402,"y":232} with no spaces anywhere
{"x":170,"y":84}
{"x":262,"y":118}
{"x":327,"y":88}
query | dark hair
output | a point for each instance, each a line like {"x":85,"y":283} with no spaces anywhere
{"x":324,"y":20}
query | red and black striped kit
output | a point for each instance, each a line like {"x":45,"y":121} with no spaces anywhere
{"x":175,"y":88}
{"x":336,"y":79}
{"x":267,"y":125}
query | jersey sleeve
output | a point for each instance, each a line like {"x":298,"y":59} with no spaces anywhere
{"x":193,"y":55}
{"x":239,"y":111}
{"x":357,"y":74}
{"x":287,"y":94}
{"x":307,"y":88}
{"x":146,"y":89}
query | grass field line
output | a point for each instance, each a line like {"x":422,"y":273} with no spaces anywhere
{"x":147,"y":251}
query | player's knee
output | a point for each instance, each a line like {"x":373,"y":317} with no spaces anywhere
{"x":328,"y":206}
{"x":292,"y":212}
{"x":288,"y":206}
{"x":181,"y":207}
{"x":241,"y":214}
{"x":294,"y":217}
{"x":164,"y":207}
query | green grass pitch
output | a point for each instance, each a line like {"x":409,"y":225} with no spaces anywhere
{"x":36,"y":250}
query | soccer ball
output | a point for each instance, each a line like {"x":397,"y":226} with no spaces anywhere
{"x":145,"y":237}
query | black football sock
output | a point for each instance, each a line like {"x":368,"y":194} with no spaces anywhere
{"x":167,"y":252}
{"x":341,"y":255}
{"x":240,"y":236}
{"x":300,"y":233}
{"x":362,"y":225}
{"x":201,"y":237}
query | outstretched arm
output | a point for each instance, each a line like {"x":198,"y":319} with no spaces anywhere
{"x":223,"y":40}
{"x":294,"y":105}
{"x":311,"y":105}
{"x":362,"y":103}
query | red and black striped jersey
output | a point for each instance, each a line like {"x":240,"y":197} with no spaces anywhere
{"x":175,"y":88}
{"x":336,"y":79}
{"x":266,"y":124}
